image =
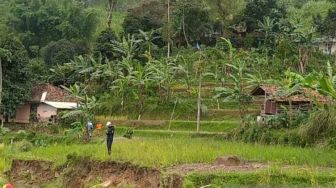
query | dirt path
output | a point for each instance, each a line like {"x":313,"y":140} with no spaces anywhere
{"x":200,"y":168}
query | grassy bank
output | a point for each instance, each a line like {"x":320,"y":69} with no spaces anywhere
{"x":167,"y":152}
{"x":266,"y":178}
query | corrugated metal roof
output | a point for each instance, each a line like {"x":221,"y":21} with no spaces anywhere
{"x":62,"y":105}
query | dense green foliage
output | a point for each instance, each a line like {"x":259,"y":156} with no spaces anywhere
{"x":154,"y":58}
{"x":16,"y":78}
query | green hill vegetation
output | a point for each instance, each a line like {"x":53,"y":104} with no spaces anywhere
{"x":177,"y":76}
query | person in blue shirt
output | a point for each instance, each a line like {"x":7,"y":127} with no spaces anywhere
{"x":89,"y":128}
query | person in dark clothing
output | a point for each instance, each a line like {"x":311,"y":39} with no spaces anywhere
{"x":109,"y":136}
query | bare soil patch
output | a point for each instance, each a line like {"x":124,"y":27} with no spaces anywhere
{"x":31,"y":173}
{"x":79,"y":173}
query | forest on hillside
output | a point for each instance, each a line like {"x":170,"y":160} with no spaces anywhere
{"x":134,"y":58}
{"x":167,"y":93}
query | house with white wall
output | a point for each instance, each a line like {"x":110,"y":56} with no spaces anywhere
{"x":47,"y":101}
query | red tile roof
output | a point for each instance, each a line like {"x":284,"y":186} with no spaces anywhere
{"x":54,"y":94}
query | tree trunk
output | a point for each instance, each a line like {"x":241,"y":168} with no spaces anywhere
{"x":199,"y":102}
{"x":172,"y":115}
{"x":168,"y":28}
{"x":303,"y":58}
{"x":184,"y":31}
{"x":2,"y":119}
{"x":110,"y":6}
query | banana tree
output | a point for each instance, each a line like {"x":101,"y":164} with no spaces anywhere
{"x":185,"y":68}
{"x":323,"y":83}
{"x":86,"y":108}
{"x":236,"y":93}
{"x":125,"y":76}
{"x":230,"y":56}
{"x":142,"y":79}
{"x":127,"y":48}
{"x":147,"y":41}
{"x":304,"y":41}
{"x":164,"y":73}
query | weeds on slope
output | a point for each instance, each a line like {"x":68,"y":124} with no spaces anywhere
{"x":168,"y":152}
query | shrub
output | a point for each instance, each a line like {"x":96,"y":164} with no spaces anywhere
{"x":320,"y":126}
{"x":63,"y":51}
{"x":146,"y":17}
{"x":67,"y":121}
{"x":104,"y":44}
{"x":24,"y":146}
{"x":129,"y":133}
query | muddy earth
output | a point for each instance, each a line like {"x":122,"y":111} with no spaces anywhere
{"x":80,"y":172}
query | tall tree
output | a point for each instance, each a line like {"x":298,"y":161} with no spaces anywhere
{"x":192,"y":20}
{"x":16,"y":80}
{"x":257,"y":10}
{"x":37,"y":23}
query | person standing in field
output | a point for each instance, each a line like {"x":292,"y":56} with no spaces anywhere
{"x":89,"y":127}
{"x":109,"y":136}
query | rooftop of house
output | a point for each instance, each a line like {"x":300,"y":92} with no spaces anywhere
{"x":302,"y":95}
{"x":48,"y":92}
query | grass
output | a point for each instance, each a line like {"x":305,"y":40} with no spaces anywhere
{"x":266,"y":178}
{"x":206,"y":126}
{"x":167,"y":152}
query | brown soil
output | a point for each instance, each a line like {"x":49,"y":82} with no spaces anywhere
{"x":79,"y":173}
{"x":175,"y":175}
{"x":112,"y":174}
{"x":30,"y":173}
{"x":191,"y":168}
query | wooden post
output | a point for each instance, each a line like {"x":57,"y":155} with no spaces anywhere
{"x":290,"y":112}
